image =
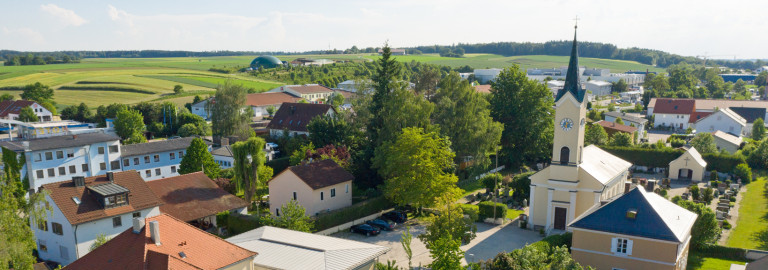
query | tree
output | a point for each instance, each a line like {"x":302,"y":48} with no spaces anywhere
{"x":758,"y":158}
{"x":619,"y":121}
{"x":464,"y":116}
{"x":524,"y":107}
{"x":681,"y":76}
{"x":743,"y":172}
{"x":595,"y":134}
{"x":491,"y":182}
{"x":705,"y":229}
{"x":415,"y":166}
{"x":707,"y":195}
{"x":427,"y":80}
{"x":101,"y":239}
{"x":129,"y":123}
{"x":249,"y":157}
{"x":621,"y":139}
{"x":229,"y":115}
{"x":325,"y":130}
{"x":620,"y":86}
{"x":405,"y":241}
{"x":49,"y":106}
{"x":37,"y":92}
{"x":704,"y":143}
{"x":292,"y":217}
{"x":445,"y":233}
{"x":178,"y":89}
{"x":28,"y":115}
{"x":6,"y":96}
{"x":271,"y":110}
{"x":198,"y":158}
{"x":387,"y":71}
{"x":758,"y":129}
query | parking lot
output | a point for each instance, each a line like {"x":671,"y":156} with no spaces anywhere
{"x":490,"y":240}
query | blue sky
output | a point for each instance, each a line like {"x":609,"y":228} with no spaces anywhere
{"x":723,"y":29}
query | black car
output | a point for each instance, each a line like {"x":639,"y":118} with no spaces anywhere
{"x":396,"y":216}
{"x":383,"y":224}
{"x":365,"y":229}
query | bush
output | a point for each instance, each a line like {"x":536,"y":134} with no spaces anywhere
{"x":555,"y":240}
{"x":521,"y":185}
{"x":694,"y":192}
{"x":486,"y":209}
{"x":744,"y":172}
{"x":356,"y":211}
{"x":722,"y":163}
{"x":491,"y":181}
{"x":660,"y":158}
{"x":472,"y":211}
{"x":722,"y":252}
{"x":222,"y":219}
{"x":713,"y":176}
{"x":238,"y":224}
{"x":226,"y":185}
{"x":676,"y":199}
{"x":279,"y":164}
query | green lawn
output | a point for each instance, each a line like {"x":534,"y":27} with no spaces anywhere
{"x":751,"y":229}
{"x":513,"y":213}
{"x":696,"y":262}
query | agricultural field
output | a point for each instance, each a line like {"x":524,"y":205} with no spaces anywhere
{"x":102,"y":81}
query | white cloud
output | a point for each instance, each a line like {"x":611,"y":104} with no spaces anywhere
{"x":66,"y":16}
{"x":23,"y":33}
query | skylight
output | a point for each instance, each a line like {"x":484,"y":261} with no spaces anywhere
{"x":77,"y":200}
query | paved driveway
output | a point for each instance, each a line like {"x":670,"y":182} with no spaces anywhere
{"x":490,"y":241}
{"x":658,"y":135}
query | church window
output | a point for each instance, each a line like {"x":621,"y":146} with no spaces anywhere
{"x":565,"y":155}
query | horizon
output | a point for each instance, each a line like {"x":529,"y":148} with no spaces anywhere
{"x":298,"y":27}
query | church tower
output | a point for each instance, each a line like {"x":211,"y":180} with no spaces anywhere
{"x":570,"y":120}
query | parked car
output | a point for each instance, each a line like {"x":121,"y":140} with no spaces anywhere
{"x":383,"y":224}
{"x":396,"y":216}
{"x":365,"y":229}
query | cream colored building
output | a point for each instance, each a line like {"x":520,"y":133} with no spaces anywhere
{"x":639,"y":230}
{"x":319,"y":186}
{"x":579,"y":177}
{"x":727,"y":142}
{"x":689,"y":166}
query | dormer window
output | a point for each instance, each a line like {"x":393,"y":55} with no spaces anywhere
{"x":110,"y":194}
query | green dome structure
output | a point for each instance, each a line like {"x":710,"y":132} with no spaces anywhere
{"x":265,"y":61}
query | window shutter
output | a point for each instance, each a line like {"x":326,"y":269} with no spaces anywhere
{"x":613,"y":245}
{"x":629,"y":247}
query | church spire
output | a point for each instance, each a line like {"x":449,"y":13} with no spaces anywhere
{"x":572,"y":80}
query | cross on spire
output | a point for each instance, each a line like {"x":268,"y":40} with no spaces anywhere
{"x":576,"y":22}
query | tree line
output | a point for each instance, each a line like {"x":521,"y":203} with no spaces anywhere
{"x":37,"y":59}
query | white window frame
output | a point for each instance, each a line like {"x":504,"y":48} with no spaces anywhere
{"x":625,"y":250}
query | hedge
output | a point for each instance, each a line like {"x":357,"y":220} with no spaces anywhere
{"x":107,"y":88}
{"x":238,"y":224}
{"x":716,"y":251}
{"x":356,"y":211}
{"x":473,"y":211}
{"x":279,"y":164}
{"x":486,"y":209}
{"x":555,"y":240}
{"x":660,"y":158}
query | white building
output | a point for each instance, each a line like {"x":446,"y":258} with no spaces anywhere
{"x":10,"y":109}
{"x":727,"y":142}
{"x":555,"y":86}
{"x":280,"y":248}
{"x":761,"y":69}
{"x":260,"y":103}
{"x":673,"y":113}
{"x":724,"y":120}
{"x":156,"y":160}
{"x":59,"y":158}
{"x":598,"y":88}
{"x":314,"y":93}
{"x":201,"y":109}
{"x":84,"y":208}
{"x":486,"y":75}
{"x":225,"y":158}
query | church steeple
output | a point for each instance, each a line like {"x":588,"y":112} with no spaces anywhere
{"x":572,"y":80}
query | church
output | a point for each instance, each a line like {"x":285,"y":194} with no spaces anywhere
{"x":579,"y":177}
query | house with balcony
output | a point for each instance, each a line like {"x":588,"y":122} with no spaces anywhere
{"x":59,"y":158}
{"x":85,"y":207}
{"x":155,"y":160}
{"x":319,"y":186}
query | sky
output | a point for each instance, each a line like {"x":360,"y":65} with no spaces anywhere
{"x":719,"y":29}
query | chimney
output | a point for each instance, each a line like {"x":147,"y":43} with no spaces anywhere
{"x":111,"y":177}
{"x":79,"y":181}
{"x":154,"y":231}
{"x":224,"y":141}
{"x":138,"y":224}
{"x":26,"y":145}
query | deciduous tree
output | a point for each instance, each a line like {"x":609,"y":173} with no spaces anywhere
{"x":28,"y":115}
{"x":37,"y":92}
{"x":704,"y":143}
{"x":292,"y":216}
{"x":229,"y":115}
{"x":621,"y":139}
{"x":445,"y":233}
{"x":595,"y":134}
{"x":249,"y":157}
{"x":758,"y":129}
{"x":705,"y":229}
{"x":129,"y":123}
{"x":198,"y":158}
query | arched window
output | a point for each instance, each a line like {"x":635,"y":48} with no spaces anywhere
{"x":565,"y":155}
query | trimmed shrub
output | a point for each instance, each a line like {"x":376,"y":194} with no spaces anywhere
{"x":722,"y":163}
{"x":279,"y":164}
{"x":521,"y":184}
{"x":555,"y":240}
{"x":356,"y":211}
{"x":222,"y":219}
{"x":486,"y":209}
{"x":472,"y":211}
{"x":744,"y":172}
{"x":722,"y":252}
{"x":660,"y":158}
{"x":238,"y":224}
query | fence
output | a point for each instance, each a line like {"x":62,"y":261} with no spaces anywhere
{"x":497,"y":169}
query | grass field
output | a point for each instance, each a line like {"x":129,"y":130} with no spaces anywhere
{"x":696,"y":262}
{"x":751,"y":229}
{"x":153,"y":79}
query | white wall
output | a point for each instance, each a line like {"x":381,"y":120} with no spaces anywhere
{"x":164,"y":164}
{"x":281,"y":190}
{"x":36,"y":160}
{"x":718,"y":121}
{"x":676,"y":120}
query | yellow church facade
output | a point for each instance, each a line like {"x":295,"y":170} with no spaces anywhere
{"x":579,"y":177}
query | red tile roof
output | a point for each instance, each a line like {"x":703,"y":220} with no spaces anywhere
{"x":296,"y":116}
{"x":674,"y":106}
{"x":617,"y":127}
{"x":270,"y":98}
{"x":483,"y":88}
{"x":696,"y":116}
{"x":320,"y":174}
{"x":193,"y":196}
{"x":130,"y":250}
{"x":139,"y":197}
{"x":13,"y":106}
{"x":307,"y":88}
